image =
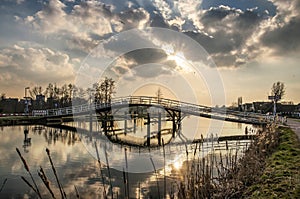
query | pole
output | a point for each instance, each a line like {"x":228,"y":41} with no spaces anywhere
{"x":159,"y":129}
{"x":274,"y":108}
{"x":125,"y":123}
{"x":26,"y":101}
{"x":174,"y":124}
{"x":148,"y":129}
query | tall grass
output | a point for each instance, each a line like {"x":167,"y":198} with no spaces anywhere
{"x":225,"y":175}
{"x":44,"y":178}
{"x":35,"y":188}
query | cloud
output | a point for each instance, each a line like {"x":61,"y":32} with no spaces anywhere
{"x":226,"y":34}
{"x":283,"y":36}
{"x":232,"y":35}
{"x":284,"y":40}
{"x":146,"y":63}
{"x":35,"y":64}
{"x":86,"y":23}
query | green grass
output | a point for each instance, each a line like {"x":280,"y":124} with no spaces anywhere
{"x":281,"y":177}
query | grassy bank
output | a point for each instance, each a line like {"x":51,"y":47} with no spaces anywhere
{"x":281,"y":176}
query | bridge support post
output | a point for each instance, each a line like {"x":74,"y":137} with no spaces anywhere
{"x":125,"y":123}
{"x":174,"y":125}
{"x":159,"y":129}
{"x":91,"y":122}
{"x":179,"y":122}
{"x":134,"y":125}
{"x":104,"y":124}
{"x":148,"y":129}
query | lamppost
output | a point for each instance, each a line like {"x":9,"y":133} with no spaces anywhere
{"x":26,"y":101}
{"x":91,"y":92}
{"x":275,"y":99}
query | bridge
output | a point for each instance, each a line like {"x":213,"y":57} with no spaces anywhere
{"x":107,"y":113}
{"x":175,"y":107}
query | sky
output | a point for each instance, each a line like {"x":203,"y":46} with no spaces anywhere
{"x":251,"y":43}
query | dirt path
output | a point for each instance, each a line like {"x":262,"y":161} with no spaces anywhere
{"x":295,"y":126}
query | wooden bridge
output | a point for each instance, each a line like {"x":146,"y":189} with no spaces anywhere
{"x":174,"y":107}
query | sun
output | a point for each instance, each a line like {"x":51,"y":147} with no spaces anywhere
{"x":180,"y":61}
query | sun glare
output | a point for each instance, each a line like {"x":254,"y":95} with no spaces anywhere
{"x":180,"y":61}
{"x":177,"y":165}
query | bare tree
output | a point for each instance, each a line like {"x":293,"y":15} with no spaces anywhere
{"x":64,"y":92}
{"x":2,"y":96}
{"x":49,"y":90}
{"x":159,"y":94}
{"x":37,"y":90}
{"x":71,"y":90}
{"x":278,"y":90}
{"x":57,"y":92}
{"x":104,"y":90}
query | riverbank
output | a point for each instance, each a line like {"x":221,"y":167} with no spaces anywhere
{"x":281,"y":176}
{"x":268,"y":169}
{"x":19,"y":120}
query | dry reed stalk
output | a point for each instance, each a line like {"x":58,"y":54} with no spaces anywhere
{"x":125,"y":185}
{"x":100,"y":168}
{"x":108,"y":169}
{"x":157,"y":184}
{"x":30,"y":185}
{"x":44,"y":178}
{"x":76,"y":191}
{"x":127,"y":177}
{"x":28,"y":171}
{"x":165,"y":180}
{"x":62,"y":192}
{"x":3,"y":184}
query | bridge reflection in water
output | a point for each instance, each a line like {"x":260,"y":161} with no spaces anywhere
{"x":140,"y":126}
{"x":114,"y":135}
{"x":126,"y":125}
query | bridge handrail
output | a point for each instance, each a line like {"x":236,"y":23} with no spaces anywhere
{"x":164,"y":102}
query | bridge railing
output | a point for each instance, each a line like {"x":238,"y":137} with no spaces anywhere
{"x":164,"y":103}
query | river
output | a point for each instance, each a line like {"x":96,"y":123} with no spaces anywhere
{"x":75,"y":160}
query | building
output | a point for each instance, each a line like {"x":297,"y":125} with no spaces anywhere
{"x":39,"y":102}
{"x":11,"y":105}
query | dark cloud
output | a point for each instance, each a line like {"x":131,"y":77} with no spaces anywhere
{"x":261,"y":6}
{"x":145,"y":62}
{"x":284,"y":40}
{"x":232,"y":29}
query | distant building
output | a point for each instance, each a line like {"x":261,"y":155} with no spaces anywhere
{"x":52,"y":103}
{"x":285,"y":109}
{"x":247,"y":107}
{"x":11,"y":105}
{"x":39,"y":102}
{"x":263,"y":107}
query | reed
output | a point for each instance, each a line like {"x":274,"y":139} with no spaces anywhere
{"x":127,"y":177}
{"x":165,"y":180}
{"x":226,"y":175}
{"x":156,"y":175}
{"x":62,"y":192}
{"x":44,"y":178}
{"x":101,"y":173}
{"x":109,"y":175}
{"x":30,"y":185}
{"x":125,"y":184}
{"x":76,"y":191}
{"x":3,"y":184}
{"x":35,"y":188}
